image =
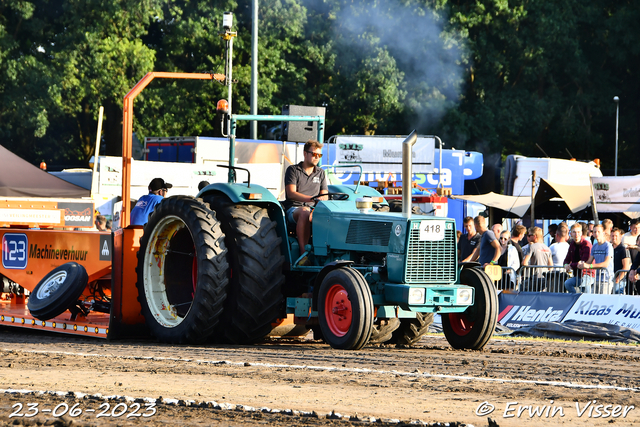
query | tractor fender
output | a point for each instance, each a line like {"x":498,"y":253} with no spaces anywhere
{"x":239,"y":194}
{"x":321,"y":275}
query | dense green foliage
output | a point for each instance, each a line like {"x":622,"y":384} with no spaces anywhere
{"x":495,"y":76}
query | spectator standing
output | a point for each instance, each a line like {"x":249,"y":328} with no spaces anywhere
{"x":552,"y":234}
{"x":607,"y":224}
{"x":589,"y":232}
{"x":621,"y":261}
{"x":579,"y":250}
{"x":497,"y":229}
{"x":630,"y":239}
{"x":560,"y":248}
{"x":489,"y":251}
{"x":509,"y":256}
{"x":517,"y":234}
{"x":539,"y":253}
{"x":158,"y":189}
{"x":101,"y":223}
{"x":601,"y":257}
{"x":634,"y":278}
{"x":468,"y":242}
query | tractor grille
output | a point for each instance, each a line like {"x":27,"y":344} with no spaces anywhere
{"x":369,"y":233}
{"x":431,"y":261}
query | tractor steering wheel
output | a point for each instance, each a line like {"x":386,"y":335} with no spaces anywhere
{"x":332,"y":196}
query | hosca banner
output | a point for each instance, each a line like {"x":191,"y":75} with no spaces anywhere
{"x":528,"y":308}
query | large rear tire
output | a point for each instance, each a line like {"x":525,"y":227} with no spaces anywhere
{"x":255,"y":294}
{"x":345,"y":309}
{"x":182,"y":271}
{"x":383,"y":329}
{"x":473,"y":328}
{"x":411,"y":330}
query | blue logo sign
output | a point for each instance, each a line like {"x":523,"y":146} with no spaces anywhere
{"x":14,"y":251}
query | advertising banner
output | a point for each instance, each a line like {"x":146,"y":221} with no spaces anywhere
{"x":621,"y":310}
{"x":77,"y":214}
{"x":528,"y":308}
{"x":384,"y":153}
{"x":617,"y":193}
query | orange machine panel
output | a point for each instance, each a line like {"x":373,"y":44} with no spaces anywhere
{"x":28,"y":255}
{"x":125,"y":308}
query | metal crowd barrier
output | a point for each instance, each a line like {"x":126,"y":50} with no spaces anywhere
{"x":509,"y":281}
{"x":626,"y":286}
{"x":544,"y":278}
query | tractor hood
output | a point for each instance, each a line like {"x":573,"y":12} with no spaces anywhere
{"x":339,"y":225}
{"x":420,"y":249}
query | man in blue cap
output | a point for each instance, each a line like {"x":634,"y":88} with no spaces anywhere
{"x":157,"y":191}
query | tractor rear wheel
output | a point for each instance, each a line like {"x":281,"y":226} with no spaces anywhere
{"x":383,"y":330}
{"x":345,"y":309}
{"x":473,"y":328}
{"x":182,"y":271}
{"x":411,"y":330}
{"x":255,"y":293}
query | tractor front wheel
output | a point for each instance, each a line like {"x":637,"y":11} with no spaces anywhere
{"x":473,"y":328}
{"x":345,"y":309}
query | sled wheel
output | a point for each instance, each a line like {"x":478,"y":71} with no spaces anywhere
{"x":58,"y":291}
{"x":345,"y":309}
{"x":382,"y":330}
{"x":473,"y":328}
{"x":255,"y":298}
{"x":182,"y":271}
{"x":411,"y":330}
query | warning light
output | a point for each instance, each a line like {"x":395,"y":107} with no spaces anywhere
{"x":223,"y":106}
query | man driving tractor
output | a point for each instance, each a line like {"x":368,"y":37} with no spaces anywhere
{"x":302,"y":183}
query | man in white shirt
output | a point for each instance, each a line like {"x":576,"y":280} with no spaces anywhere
{"x":629,"y":239}
{"x":560,"y":248}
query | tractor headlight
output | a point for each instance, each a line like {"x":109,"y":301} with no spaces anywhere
{"x":464,"y":296}
{"x":416,"y":295}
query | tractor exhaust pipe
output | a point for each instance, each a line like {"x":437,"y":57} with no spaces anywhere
{"x":407,"y":173}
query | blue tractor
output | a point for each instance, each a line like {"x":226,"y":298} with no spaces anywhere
{"x":223,"y":266}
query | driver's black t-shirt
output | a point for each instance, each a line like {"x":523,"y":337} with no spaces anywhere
{"x":309,"y":185}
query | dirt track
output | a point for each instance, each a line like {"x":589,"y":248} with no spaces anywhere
{"x":431,"y":382}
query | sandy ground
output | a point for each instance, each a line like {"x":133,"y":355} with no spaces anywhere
{"x":512,"y":382}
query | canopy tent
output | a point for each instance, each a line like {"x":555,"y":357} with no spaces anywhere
{"x":19,"y":178}
{"x":504,"y":206}
{"x":552,"y":200}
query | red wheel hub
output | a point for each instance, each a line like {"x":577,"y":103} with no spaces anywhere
{"x":337,"y":310}
{"x":460,"y":323}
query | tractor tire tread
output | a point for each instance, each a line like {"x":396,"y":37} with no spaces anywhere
{"x":212,"y":281}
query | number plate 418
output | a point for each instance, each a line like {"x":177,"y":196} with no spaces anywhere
{"x":432,"y":230}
